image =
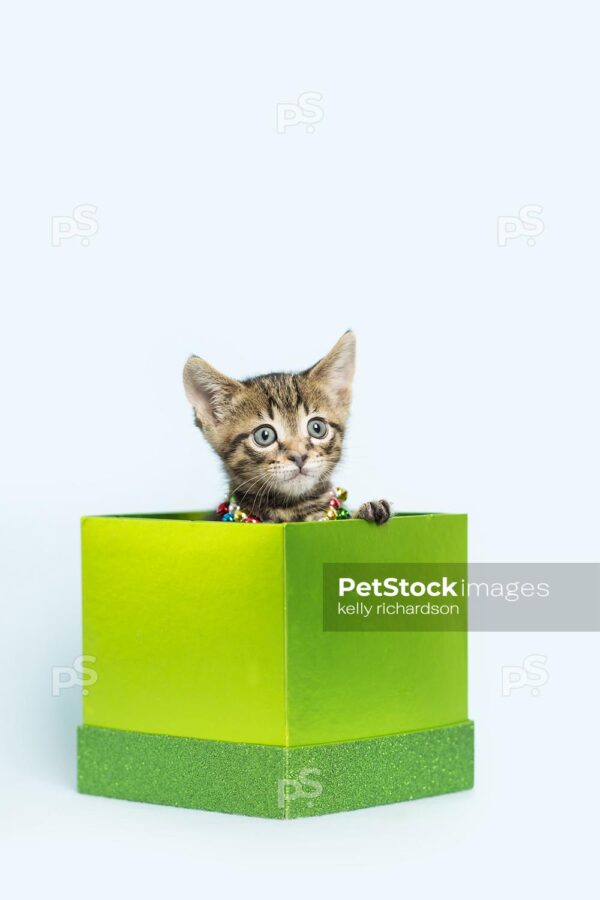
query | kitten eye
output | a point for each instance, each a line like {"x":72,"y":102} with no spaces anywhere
{"x":265,"y":436}
{"x":317,"y":428}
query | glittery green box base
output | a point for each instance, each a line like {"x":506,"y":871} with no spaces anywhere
{"x":275,"y":782}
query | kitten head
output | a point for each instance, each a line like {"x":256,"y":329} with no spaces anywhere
{"x":279,"y":433}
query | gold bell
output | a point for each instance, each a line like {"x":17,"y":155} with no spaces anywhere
{"x":341,"y":493}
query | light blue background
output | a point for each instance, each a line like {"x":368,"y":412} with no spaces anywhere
{"x":476,"y":384}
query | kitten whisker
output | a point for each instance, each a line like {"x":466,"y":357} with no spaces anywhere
{"x":274,"y":480}
{"x":256,"y":485}
{"x":254,"y":480}
{"x":268,"y":484}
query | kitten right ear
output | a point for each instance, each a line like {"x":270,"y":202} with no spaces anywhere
{"x":208,"y":390}
{"x":336,"y":370}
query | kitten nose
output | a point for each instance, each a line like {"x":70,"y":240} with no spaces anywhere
{"x":298,"y":458}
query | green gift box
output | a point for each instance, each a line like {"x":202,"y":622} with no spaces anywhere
{"x":218,"y":687}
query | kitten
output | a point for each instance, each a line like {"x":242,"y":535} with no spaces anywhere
{"x":280,"y":436}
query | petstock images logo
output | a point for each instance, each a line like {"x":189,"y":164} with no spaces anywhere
{"x":461,"y":597}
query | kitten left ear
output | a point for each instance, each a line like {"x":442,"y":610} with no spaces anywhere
{"x":336,"y":370}
{"x":208,"y":390}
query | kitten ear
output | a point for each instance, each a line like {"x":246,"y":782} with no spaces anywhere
{"x":208,"y":390}
{"x":335,"y":372}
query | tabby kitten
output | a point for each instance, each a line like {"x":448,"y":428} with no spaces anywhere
{"x":280,"y":436}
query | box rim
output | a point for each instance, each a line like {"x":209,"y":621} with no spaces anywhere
{"x":177,"y":517}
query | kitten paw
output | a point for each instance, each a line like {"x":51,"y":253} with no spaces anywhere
{"x":377,"y":511}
